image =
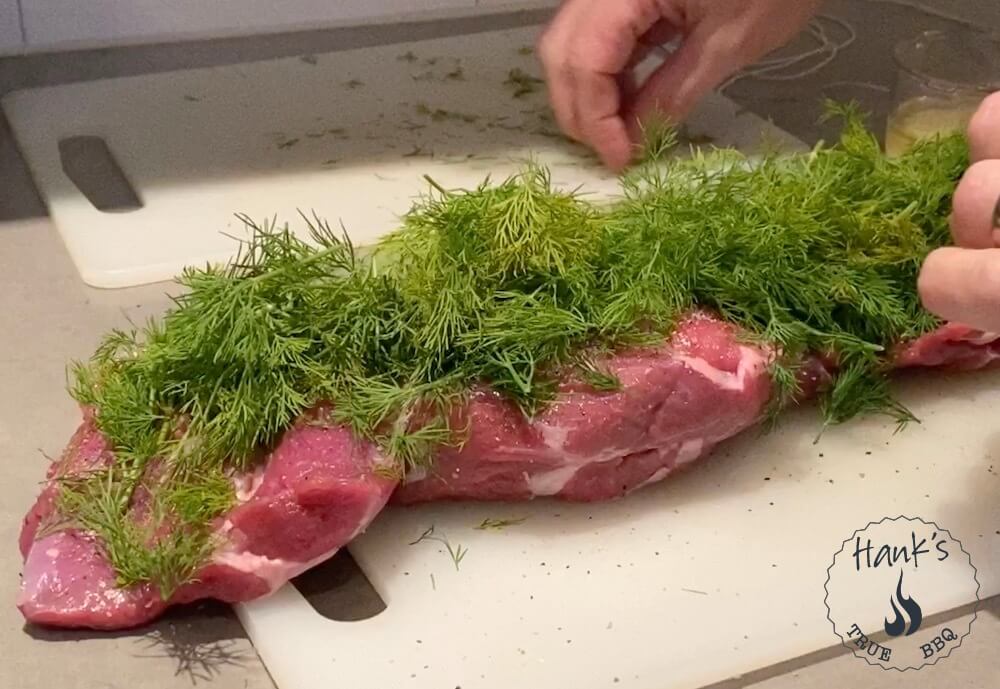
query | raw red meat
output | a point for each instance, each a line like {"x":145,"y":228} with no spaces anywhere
{"x":317,"y":491}
{"x":677,"y":402}
{"x":319,"y":487}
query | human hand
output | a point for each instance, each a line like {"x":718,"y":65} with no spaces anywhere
{"x":591,"y":46}
{"x":962,"y":283}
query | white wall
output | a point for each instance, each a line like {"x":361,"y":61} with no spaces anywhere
{"x":73,"y":23}
{"x":10,"y":27}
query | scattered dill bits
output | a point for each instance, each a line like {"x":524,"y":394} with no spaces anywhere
{"x":440,"y":114}
{"x":522,"y":83}
{"x":354,"y":84}
{"x":456,"y":553}
{"x":457,"y":74}
{"x":408,"y":56}
{"x":309,"y":59}
{"x":549,"y":133}
{"x":288,"y":143}
{"x":489,"y":524}
{"x":525,"y":50}
{"x":598,"y":378}
{"x":192,"y":99}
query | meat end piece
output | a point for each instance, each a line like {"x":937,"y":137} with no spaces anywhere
{"x":317,"y":490}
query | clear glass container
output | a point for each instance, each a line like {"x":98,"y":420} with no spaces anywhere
{"x":941,"y":78}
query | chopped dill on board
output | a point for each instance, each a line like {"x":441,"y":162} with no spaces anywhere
{"x":522,"y":83}
{"x":456,"y":553}
{"x":511,"y":283}
{"x":492,"y":524}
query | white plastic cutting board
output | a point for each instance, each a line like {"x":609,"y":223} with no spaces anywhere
{"x":346,"y":134}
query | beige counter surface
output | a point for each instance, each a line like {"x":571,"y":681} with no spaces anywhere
{"x":47,"y":318}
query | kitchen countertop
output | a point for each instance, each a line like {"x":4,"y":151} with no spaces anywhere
{"x":48,"y":317}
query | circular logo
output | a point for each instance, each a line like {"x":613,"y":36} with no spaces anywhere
{"x":883,"y":583}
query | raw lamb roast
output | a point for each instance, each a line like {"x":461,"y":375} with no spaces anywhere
{"x":320,"y":487}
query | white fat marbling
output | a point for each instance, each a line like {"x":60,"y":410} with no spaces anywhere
{"x":984,"y":338}
{"x":552,"y":481}
{"x":689,"y":451}
{"x":274,"y":571}
{"x":554,"y":436}
{"x":751,"y":362}
{"x":247,"y":485}
{"x":415,"y":474}
{"x":658,"y":475}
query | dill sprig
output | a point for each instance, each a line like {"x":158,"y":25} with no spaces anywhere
{"x":513,"y":285}
{"x":457,"y":553}
{"x":521,"y":83}
{"x":493,"y":524}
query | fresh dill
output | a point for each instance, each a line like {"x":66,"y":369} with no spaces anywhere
{"x":440,"y":114}
{"x":489,"y":524}
{"x":522,"y":83}
{"x":456,"y":553}
{"x":515,"y":284}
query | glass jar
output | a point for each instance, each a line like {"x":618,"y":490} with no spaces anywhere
{"x":941,"y":78}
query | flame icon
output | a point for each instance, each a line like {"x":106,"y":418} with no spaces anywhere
{"x":898,"y":625}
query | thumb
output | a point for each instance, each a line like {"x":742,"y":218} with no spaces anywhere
{"x":963,"y":285}
{"x":707,"y":56}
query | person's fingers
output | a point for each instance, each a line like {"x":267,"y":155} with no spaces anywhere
{"x":583,"y":54}
{"x":706,"y":57}
{"x":550,"y":49}
{"x":719,"y":39}
{"x":653,"y":41}
{"x":963,"y":286}
{"x":662,"y":33}
{"x":974,"y":206}
{"x":596,"y":108}
{"x":984,"y":129}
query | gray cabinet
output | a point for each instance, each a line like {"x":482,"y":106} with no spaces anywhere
{"x":10,"y":27}
{"x":55,"y":24}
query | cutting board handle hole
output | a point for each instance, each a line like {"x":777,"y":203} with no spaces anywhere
{"x":90,"y":165}
{"x":338,"y":590}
